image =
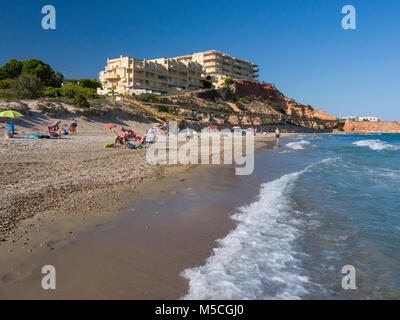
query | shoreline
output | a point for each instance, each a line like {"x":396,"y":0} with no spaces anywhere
{"x":47,"y":237}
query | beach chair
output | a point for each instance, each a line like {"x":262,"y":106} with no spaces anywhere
{"x":53,"y":133}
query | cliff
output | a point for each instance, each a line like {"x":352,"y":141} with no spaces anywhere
{"x":268,"y":92}
{"x":380,"y":127}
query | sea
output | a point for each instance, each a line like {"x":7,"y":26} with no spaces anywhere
{"x":325,"y":202}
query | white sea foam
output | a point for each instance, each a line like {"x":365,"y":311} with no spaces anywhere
{"x":298,"y":145}
{"x":376,"y":145}
{"x":256,"y":260}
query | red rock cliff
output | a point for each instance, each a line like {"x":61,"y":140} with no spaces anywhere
{"x":243,"y":88}
{"x":381,"y":127}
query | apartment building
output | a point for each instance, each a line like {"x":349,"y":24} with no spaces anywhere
{"x":352,"y":119}
{"x":219,"y":65}
{"x":128,"y":75}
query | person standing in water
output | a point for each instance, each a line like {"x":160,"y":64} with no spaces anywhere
{"x":277,"y":135}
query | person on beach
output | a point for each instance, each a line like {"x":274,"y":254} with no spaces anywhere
{"x":72,"y":127}
{"x":121,"y":138}
{"x":56,"y":126}
{"x":277,"y":135}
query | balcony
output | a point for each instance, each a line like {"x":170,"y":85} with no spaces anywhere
{"x":109,"y":76}
{"x":139,"y":66}
{"x":210,"y":57}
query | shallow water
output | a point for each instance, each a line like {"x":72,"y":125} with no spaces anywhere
{"x":324,"y":202}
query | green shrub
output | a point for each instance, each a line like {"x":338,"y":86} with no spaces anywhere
{"x":275,"y":106}
{"x":71,"y":90}
{"x":164,"y":109}
{"x":27,"y":86}
{"x":51,"y":92}
{"x":87,"y":83}
{"x":228,"y":81}
{"x":247,"y":99}
{"x":80,"y":102}
{"x":6,"y":83}
{"x":148,"y":97}
{"x":7,"y":94}
{"x":241,"y":106}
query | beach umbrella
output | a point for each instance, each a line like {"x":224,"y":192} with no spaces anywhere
{"x":110,"y":126}
{"x":10,"y":114}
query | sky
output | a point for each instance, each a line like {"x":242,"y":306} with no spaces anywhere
{"x":300,"y":45}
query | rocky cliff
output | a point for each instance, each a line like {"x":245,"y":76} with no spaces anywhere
{"x":381,"y":127}
{"x":268,"y":92}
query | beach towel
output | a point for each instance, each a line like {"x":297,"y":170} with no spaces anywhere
{"x":39,"y":136}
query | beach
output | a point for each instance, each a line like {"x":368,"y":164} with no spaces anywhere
{"x":203,"y":232}
{"x":56,"y":192}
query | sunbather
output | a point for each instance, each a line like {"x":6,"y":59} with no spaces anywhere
{"x":56,"y":126}
{"x":121,"y":138}
{"x":147,"y":138}
{"x":53,"y":133}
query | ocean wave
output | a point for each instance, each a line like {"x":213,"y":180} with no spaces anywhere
{"x":251,"y":261}
{"x":298,"y":145}
{"x":257,"y":260}
{"x":376,"y":145}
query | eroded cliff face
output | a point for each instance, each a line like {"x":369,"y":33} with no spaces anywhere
{"x":380,"y":127}
{"x":268,"y":92}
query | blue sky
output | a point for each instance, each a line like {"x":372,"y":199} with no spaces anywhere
{"x":299,"y":44}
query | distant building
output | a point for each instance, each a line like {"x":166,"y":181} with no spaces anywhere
{"x":371,"y":119}
{"x":349,"y":119}
{"x":128,"y":75}
{"x":353,"y":119}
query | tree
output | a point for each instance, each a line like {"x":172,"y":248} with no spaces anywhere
{"x":27,"y":86}
{"x":87,"y":83}
{"x":11,"y":69}
{"x":43,"y":71}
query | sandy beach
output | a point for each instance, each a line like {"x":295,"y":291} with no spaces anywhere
{"x":56,"y":192}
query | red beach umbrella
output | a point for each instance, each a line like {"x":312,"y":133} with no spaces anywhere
{"x":110,"y":126}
